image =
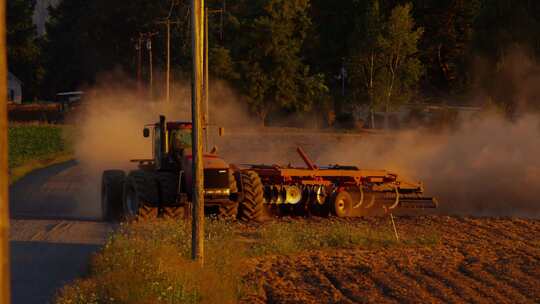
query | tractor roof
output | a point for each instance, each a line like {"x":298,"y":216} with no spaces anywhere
{"x":174,"y":125}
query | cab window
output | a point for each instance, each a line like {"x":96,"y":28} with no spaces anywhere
{"x":181,"y":139}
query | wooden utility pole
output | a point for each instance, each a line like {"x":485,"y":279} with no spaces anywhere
{"x":168,"y":85}
{"x":206,"y":119}
{"x":5,"y":289}
{"x":138,"y":48}
{"x":151,"y":65}
{"x":197,"y":25}
{"x":168,"y":24}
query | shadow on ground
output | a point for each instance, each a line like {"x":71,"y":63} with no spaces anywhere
{"x":38,"y":269}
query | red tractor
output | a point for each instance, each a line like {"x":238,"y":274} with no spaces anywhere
{"x":162,"y":186}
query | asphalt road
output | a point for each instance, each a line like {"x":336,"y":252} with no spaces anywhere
{"x":55,"y":228}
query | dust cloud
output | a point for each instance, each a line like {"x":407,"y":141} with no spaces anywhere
{"x":487,"y":167}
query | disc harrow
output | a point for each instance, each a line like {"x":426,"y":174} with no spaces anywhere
{"x":345,"y":190}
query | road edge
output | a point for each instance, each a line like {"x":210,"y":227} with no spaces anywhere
{"x":21,"y":171}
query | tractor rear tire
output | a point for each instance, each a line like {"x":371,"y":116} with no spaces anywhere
{"x":172,"y":212}
{"x":343,"y":204}
{"x":228,"y":212}
{"x":112,"y":188}
{"x":140,"y":196}
{"x":147,"y":212}
{"x":168,"y":188}
{"x":252,"y":205}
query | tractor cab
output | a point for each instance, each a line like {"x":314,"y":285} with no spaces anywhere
{"x":171,"y":141}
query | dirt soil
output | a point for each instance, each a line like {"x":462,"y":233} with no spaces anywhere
{"x":475,"y":260}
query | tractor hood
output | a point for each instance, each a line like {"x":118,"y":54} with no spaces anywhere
{"x":210,"y":161}
{"x":213,"y":170}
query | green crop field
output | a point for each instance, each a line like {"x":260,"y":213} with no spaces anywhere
{"x":35,"y":146}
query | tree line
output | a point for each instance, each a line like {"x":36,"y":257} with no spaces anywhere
{"x":291,"y":56}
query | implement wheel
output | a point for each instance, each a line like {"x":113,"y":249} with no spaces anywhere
{"x":112,"y":188}
{"x":252,"y":205}
{"x":343,"y":204}
{"x":140,"y":196}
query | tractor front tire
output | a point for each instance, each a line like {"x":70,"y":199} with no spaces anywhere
{"x":252,"y":205}
{"x":112,"y":188}
{"x":140,"y":196}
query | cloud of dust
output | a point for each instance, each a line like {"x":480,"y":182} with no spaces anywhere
{"x":489,"y":167}
{"x":108,"y":127}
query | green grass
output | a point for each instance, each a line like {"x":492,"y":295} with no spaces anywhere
{"x":150,"y":262}
{"x":36,"y":146}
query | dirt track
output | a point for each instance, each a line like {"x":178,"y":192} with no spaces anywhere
{"x":53,"y":232}
{"x":475,"y":261}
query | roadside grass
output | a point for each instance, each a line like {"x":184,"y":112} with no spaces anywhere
{"x":294,"y":237}
{"x":149,"y":262}
{"x":35,"y":146}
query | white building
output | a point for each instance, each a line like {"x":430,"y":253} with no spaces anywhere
{"x":14,"y":89}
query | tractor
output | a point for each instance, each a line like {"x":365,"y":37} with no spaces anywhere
{"x":162,"y":186}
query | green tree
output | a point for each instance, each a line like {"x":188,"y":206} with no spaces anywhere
{"x":23,"y":46}
{"x":401,"y":67}
{"x":271,"y":35}
{"x":385,"y":67}
{"x":87,"y":38}
{"x":364,"y":63}
{"x":446,"y":46}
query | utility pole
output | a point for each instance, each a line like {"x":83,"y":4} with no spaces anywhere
{"x":206,"y":119}
{"x":138,"y":47}
{"x":168,"y":85}
{"x":5,"y":289}
{"x":197,"y":232}
{"x":145,"y":37}
{"x":168,"y":24}
{"x":150,"y":62}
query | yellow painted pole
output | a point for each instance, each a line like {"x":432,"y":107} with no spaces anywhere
{"x":206,"y":119}
{"x":168,"y":88}
{"x":197,"y":95}
{"x":5,"y":290}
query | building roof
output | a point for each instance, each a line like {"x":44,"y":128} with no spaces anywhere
{"x":11,"y":76}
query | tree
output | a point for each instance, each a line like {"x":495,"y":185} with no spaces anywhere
{"x":23,"y":46}
{"x":401,"y":67}
{"x":386,"y":67}
{"x":87,"y":38}
{"x":274,"y":75}
{"x":446,"y":46}
{"x":364,"y":62}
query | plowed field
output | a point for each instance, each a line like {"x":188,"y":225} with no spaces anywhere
{"x":473,"y":260}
